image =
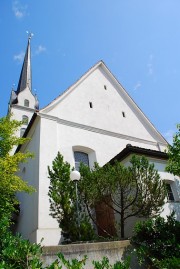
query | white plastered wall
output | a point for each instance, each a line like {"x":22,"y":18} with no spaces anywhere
{"x":28,"y":219}
{"x":56,"y":137}
{"x":107,"y":107}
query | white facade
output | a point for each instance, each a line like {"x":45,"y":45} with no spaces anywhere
{"x":95,"y":116}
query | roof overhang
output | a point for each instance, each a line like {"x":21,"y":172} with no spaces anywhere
{"x":130,"y":150}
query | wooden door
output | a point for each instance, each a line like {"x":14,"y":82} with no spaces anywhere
{"x":105,"y":219}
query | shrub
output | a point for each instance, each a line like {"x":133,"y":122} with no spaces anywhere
{"x":104,"y":264}
{"x":157,"y":241}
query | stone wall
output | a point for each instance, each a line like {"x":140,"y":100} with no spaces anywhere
{"x":115,"y":251}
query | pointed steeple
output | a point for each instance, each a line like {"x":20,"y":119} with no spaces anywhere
{"x":25,"y":77}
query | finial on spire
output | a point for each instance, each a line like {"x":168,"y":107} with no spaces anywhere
{"x":13,"y":86}
{"x":30,"y":35}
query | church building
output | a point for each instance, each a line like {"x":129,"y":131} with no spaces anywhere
{"x":94,"y":120}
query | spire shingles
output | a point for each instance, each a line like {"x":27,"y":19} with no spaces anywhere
{"x":25,"y":77}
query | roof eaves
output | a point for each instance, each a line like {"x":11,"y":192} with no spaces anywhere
{"x":138,"y":151}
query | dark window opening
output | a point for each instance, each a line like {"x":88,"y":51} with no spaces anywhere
{"x":170,"y":195}
{"x":105,"y":87}
{"x":90,"y":105}
{"x":123,"y":113}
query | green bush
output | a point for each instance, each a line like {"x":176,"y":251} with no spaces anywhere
{"x":157,"y":241}
{"x":16,"y":252}
{"x":104,"y":264}
{"x":171,"y":263}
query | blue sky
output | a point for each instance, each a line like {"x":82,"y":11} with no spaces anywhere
{"x":138,"y":40}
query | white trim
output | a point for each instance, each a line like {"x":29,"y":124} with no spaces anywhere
{"x":24,"y":108}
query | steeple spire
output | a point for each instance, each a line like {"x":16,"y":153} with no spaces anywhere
{"x":25,"y":77}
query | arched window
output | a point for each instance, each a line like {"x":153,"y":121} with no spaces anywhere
{"x":80,"y":157}
{"x":25,"y":119}
{"x":26,"y":102}
{"x":22,"y":131}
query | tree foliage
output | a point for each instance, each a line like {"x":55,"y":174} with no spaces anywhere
{"x":129,"y":191}
{"x":62,"y":196}
{"x":14,"y":250}
{"x":10,"y":182}
{"x":132,"y":191}
{"x":157,"y":242}
{"x":173,"y":165}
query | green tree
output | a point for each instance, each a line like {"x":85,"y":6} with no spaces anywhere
{"x":14,"y":250}
{"x":131,"y":191}
{"x":10,"y":182}
{"x":62,"y":197}
{"x":173,"y":165}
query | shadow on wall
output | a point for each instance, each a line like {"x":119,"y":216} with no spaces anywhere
{"x":129,"y":251}
{"x":175,"y":206}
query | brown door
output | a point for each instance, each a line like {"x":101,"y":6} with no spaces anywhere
{"x":105,"y":219}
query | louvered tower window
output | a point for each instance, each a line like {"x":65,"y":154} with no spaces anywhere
{"x":80,"y":157}
{"x":26,"y":103}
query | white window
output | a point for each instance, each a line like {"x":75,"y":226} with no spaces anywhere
{"x":80,"y":157}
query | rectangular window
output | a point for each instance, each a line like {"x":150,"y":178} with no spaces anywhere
{"x":90,"y":105}
{"x":170,"y":195}
{"x":22,"y":131}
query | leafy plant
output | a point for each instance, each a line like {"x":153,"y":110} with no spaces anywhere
{"x":104,"y":264}
{"x":157,"y":241}
{"x":173,"y":165}
{"x":16,"y":252}
{"x":10,"y":182}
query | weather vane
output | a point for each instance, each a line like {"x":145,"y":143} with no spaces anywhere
{"x":30,"y":35}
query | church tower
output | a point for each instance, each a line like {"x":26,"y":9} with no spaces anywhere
{"x":23,"y":103}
